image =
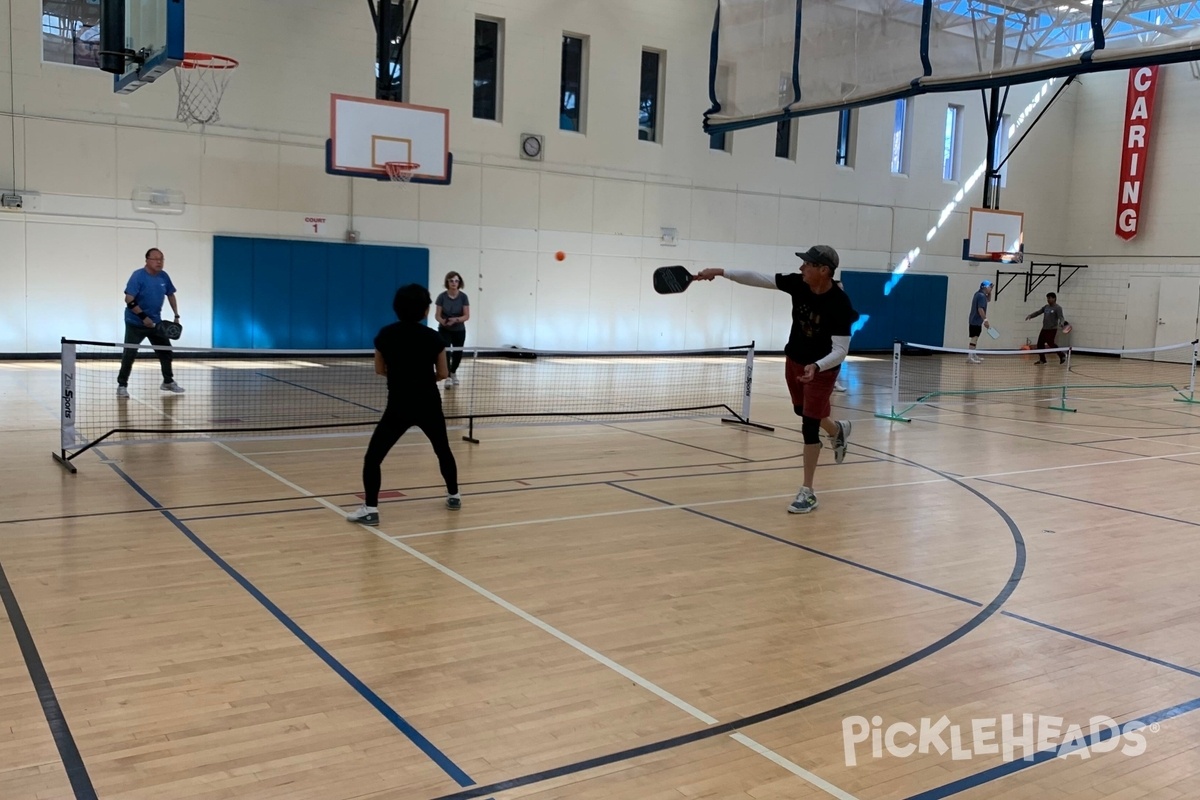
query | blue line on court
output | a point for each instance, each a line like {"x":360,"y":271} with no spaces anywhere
{"x":428,"y":748}
{"x":723,"y":729}
{"x":77,"y":774}
{"x":1042,"y":756}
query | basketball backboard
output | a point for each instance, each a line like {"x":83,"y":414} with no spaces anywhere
{"x":995,"y":235}
{"x":140,"y":40}
{"x":365,"y":134}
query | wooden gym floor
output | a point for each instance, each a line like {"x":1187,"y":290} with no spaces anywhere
{"x":618,"y":611}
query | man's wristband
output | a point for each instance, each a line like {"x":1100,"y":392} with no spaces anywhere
{"x":143,"y":315}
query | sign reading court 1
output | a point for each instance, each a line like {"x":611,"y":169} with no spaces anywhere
{"x":315,"y":225}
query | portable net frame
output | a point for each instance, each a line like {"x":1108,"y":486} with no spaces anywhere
{"x":202,"y":78}
{"x":924,"y":374}
{"x":234,"y":394}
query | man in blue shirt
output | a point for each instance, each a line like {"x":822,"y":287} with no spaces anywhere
{"x":978,"y":319}
{"x":144,"y":295}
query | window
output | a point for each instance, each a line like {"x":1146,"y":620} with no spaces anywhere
{"x":844,"y":156}
{"x":71,"y":32}
{"x":952,"y":143}
{"x":783,"y":139}
{"x":649,"y":105}
{"x":1002,"y":147}
{"x":900,"y":138}
{"x":488,"y":58}
{"x":571,"y":92}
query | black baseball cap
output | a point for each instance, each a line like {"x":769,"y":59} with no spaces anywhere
{"x":821,"y":254}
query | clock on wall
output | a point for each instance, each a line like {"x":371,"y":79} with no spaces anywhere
{"x":531,"y":146}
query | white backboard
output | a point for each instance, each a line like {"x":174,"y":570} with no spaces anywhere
{"x":364,"y":133}
{"x":994,"y":231}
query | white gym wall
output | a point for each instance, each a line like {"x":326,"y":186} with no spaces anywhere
{"x":603,"y":197}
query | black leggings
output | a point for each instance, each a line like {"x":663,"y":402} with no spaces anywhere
{"x":391,"y":427}
{"x":454,"y":339}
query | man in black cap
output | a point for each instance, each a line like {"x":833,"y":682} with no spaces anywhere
{"x":978,"y":319}
{"x":817,"y":345}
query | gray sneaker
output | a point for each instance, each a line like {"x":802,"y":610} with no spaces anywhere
{"x":172,"y":386}
{"x":805,"y":502}
{"x":364,"y":516}
{"x":122,"y":391}
{"x":839,"y":441}
{"x":453,"y":502}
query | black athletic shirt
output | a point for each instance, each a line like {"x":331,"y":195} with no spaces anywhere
{"x":410,"y":351}
{"x":816,"y":318}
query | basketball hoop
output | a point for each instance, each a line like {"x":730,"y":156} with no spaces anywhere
{"x":202,"y":78}
{"x":401,"y":171}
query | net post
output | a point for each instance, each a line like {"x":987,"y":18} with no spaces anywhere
{"x":68,"y":405}
{"x":749,"y":382}
{"x":1191,"y":395}
{"x":893,"y":415}
{"x":748,"y":386}
{"x":470,"y":437}
{"x":1062,"y":398}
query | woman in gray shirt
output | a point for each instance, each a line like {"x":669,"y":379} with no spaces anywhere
{"x":452,"y":309}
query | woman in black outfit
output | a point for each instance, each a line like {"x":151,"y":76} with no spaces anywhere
{"x":413,"y":357}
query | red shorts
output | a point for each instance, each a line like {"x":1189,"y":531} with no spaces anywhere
{"x":812,"y":397}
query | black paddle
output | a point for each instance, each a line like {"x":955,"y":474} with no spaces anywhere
{"x":672,"y":280}
{"x":171,"y":330}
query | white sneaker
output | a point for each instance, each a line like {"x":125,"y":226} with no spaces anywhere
{"x":365,"y":515}
{"x":839,"y":441}
{"x":838,"y":386}
{"x":805,"y":502}
{"x":172,"y":387}
{"x":454,"y":380}
{"x":122,"y":391}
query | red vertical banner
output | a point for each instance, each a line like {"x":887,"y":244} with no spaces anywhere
{"x":1135,"y":148}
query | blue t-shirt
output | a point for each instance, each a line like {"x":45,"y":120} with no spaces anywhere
{"x":978,"y":308}
{"x":149,"y":291}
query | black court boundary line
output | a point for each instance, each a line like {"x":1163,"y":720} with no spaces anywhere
{"x":68,"y":752}
{"x":426,"y":487}
{"x":1096,"y":503}
{"x":516,"y":489}
{"x":1028,"y":620}
{"x":713,"y":731}
{"x":1045,"y":625}
{"x":935,"y":590}
{"x":326,"y":495}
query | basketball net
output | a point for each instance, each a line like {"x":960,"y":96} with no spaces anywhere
{"x":401,"y":171}
{"x":202,"y":79}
